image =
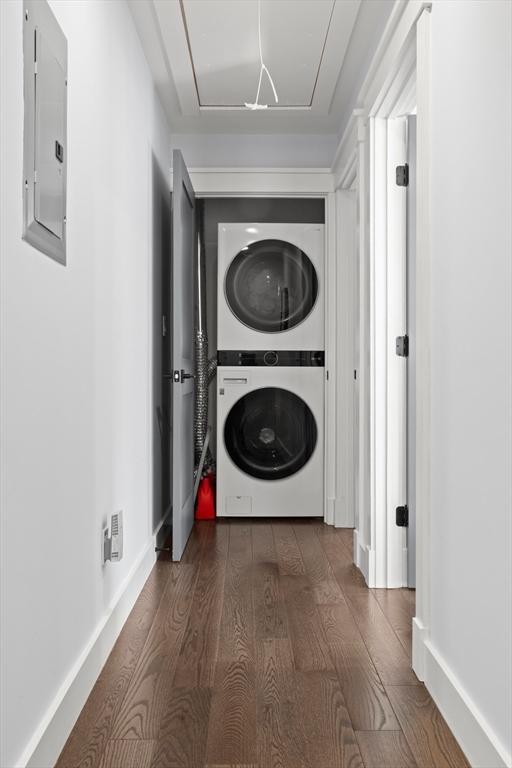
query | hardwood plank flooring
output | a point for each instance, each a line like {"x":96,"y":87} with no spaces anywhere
{"x":198,"y":655}
{"x":287,"y":546}
{"x":140,"y":713}
{"x":431,"y":741}
{"x":232,"y":724}
{"x":329,"y":735}
{"x":367,"y":701}
{"x":310,"y":649}
{"x":326,"y":589}
{"x":280,"y":736}
{"x":385,"y":749}
{"x":128,"y":754}
{"x":237,"y":622}
{"x":88,"y":738}
{"x":269,"y":607}
{"x":387,"y":652}
{"x":263,"y":648}
{"x":397,"y":605}
{"x":184,"y":729}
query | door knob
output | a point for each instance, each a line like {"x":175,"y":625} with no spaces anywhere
{"x":178,"y":376}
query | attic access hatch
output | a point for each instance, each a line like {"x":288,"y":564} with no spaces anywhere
{"x":44,"y":148}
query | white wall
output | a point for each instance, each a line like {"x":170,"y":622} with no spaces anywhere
{"x":471,"y":352}
{"x":75,"y":360}
{"x":256,"y":150}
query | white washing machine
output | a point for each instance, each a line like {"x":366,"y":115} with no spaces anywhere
{"x":270,"y":436}
{"x":270,"y":286}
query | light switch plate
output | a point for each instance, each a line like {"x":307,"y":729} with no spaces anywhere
{"x":45,"y":142}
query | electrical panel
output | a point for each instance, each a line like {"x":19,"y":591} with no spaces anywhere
{"x":45,"y":143}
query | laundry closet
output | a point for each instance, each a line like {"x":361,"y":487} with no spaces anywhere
{"x":248,"y":334}
{"x":260,"y":301}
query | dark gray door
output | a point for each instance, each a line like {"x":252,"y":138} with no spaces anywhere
{"x":162,"y":345}
{"x":183,"y":255}
{"x":411,"y":360}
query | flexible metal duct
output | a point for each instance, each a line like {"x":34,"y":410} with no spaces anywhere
{"x":212,"y":369}
{"x":205,"y":369}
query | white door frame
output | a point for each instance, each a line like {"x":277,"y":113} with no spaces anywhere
{"x":398,"y":79}
{"x":305,"y":183}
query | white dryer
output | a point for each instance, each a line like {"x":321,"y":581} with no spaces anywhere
{"x":270,"y":286}
{"x":270,"y":436}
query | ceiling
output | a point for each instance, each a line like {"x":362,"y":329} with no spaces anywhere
{"x":224,"y":53}
{"x":204,"y":57}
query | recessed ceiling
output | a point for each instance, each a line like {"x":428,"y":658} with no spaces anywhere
{"x":205,"y":61}
{"x":224,"y":51}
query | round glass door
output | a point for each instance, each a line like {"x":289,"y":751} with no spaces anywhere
{"x":271,"y":286}
{"x":270,"y":433}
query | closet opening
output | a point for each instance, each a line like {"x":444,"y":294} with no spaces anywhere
{"x":259,"y":310}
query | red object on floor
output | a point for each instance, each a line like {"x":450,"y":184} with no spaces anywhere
{"x":205,"y":503}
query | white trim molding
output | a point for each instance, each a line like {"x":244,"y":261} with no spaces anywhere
{"x":297,"y":182}
{"x":477,"y":739}
{"x":423,"y":324}
{"x":50,"y":736}
{"x":344,"y":167}
{"x":331,"y":328}
{"x":344,"y":341}
{"x":258,"y":182}
{"x":391,"y":68}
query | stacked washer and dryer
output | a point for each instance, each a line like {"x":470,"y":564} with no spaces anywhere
{"x":270,"y":377}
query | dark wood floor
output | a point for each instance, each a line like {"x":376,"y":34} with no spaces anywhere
{"x":262,"y":648}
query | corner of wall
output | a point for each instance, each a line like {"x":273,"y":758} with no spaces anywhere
{"x":474,"y":734}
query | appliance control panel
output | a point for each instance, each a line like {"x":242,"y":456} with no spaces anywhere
{"x":270,"y":357}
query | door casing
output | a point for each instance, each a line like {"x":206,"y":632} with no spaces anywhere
{"x":301,"y":183}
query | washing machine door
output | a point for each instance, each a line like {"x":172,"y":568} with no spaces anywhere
{"x":271,"y":286}
{"x":270,"y":433}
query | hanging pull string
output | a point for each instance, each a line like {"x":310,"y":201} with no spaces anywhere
{"x":263,"y":68}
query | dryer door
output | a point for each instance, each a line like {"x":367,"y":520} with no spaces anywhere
{"x":271,"y":286}
{"x":270,"y":433}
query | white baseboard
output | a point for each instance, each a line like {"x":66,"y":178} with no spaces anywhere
{"x":419,"y":638}
{"x":474,"y":734}
{"x":46,"y":743}
{"x":363,"y":558}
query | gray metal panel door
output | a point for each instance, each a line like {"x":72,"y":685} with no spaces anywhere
{"x":411,"y":360}
{"x":183,"y":253}
{"x":50,"y":138}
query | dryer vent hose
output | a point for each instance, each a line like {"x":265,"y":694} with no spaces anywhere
{"x":205,"y":369}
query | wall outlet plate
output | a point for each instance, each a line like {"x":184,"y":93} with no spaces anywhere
{"x":112,"y":546}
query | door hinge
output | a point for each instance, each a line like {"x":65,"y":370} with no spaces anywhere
{"x":402,"y":346}
{"x":402,"y":175}
{"x":402,"y":516}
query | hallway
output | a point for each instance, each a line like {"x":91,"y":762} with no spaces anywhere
{"x":263,"y":647}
